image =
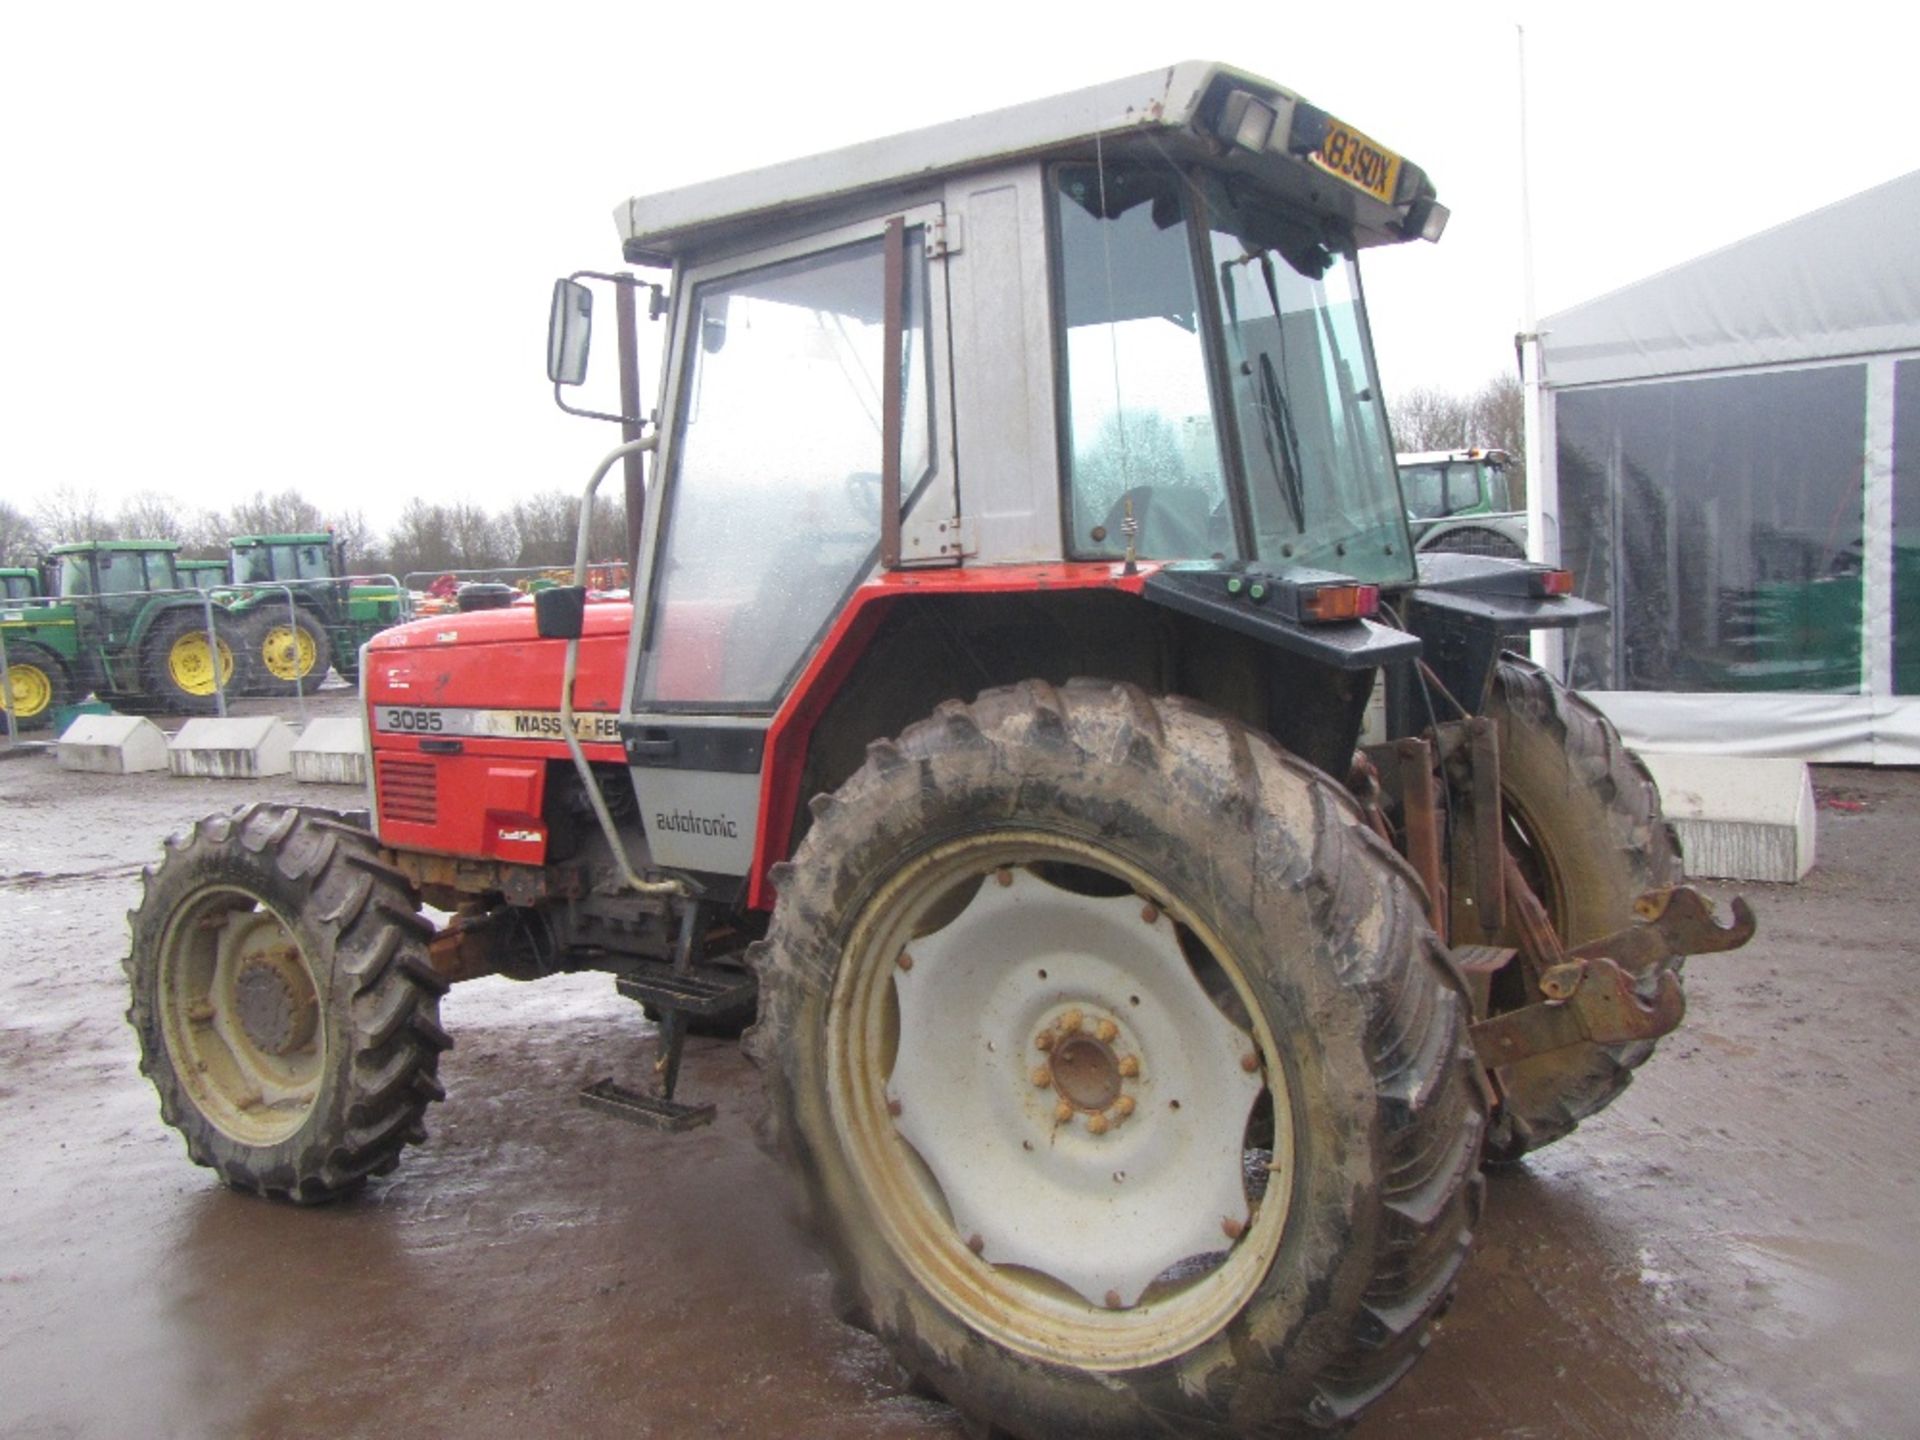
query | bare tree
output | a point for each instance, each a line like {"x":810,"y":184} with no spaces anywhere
{"x":66,"y":514}
{"x":204,"y":535}
{"x":420,"y":540}
{"x":544,"y":526}
{"x":1426,"y":418}
{"x":479,"y":541}
{"x":150,"y":516}
{"x":287,"y":513}
{"x":19,"y":536}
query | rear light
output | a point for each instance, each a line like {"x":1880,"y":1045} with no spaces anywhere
{"x":1553,"y":582}
{"x":1326,"y":603}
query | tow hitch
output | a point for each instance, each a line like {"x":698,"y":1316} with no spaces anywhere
{"x":1596,"y":991}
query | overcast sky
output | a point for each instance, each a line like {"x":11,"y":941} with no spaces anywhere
{"x":255,"y":246}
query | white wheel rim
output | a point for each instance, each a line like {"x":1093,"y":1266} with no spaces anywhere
{"x":1103,"y":1243}
{"x":239,"y":1011}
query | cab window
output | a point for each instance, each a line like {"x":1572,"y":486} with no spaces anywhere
{"x":773,"y":510}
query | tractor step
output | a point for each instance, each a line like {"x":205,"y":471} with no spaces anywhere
{"x":702,"y":993}
{"x":654,"y":1111}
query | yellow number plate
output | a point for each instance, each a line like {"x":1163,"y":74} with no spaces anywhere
{"x":1358,"y":161}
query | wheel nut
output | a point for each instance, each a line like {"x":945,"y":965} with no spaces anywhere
{"x":1070,"y":1021}
{"x":1003,"y":876}
{"x":1149,"y":913}
{"x":1044,"y":1040}
{"x":976,"y":1244}
{"x":1106,"y":1030}
{"x":1063,"y":1112}
{"x":1123,"y":1107}
{"x":1129,"y":1066}
{"x":1042,"y":1076}
{"x":1097,"y":1124}
{"x":893,"y":1108}
{"x":1250,"y":1062}
{"x":1113,"y":1299}
{"x":905,"y":961}
{"x":1233,"y":1229}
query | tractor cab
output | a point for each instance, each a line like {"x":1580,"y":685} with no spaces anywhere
{"x":18,"y":582}
{"x":115,"y":579}
{"x":1112,"y":340}
{"x":285,"y":559}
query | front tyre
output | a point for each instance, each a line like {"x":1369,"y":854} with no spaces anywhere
{"x":1127,"y":1089}
{"x":285,"y":1008}
{"x":1585,"y":825}
{"x":286,"y":651}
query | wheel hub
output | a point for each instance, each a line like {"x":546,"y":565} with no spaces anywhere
{"x":274,"y":1002}
{"x":1086,"y":1072}
{"x":1078,"y":1097}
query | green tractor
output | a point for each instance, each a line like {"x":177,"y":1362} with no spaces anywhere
{"x":17,"y":582}
{"x":120,"y":625}
{"x":203,"y":574}
{"x":320,"y":619}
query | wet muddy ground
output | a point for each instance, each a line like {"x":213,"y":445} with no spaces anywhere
{"x":1730,"y":1250}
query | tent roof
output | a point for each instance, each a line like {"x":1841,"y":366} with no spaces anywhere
{"x":1843,"y":280}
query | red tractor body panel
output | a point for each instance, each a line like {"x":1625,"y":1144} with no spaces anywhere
{"x":463,"y":711}
{"x":792,"y":728}
{"x":463,"y":714}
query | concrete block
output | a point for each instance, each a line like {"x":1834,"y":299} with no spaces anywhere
{"x":237,"y":748}
{"x":1738,"y":817}
{"x":112,"y":745}
{"x":331,"y":752}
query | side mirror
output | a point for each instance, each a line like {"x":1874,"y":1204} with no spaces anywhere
{"x":569,"y":332}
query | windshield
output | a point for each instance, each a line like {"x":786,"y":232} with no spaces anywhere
{"x":1437,"y":488}
{"x":1304,"y":403}
{"x":1155,"y":421}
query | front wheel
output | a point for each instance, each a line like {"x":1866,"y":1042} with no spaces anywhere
{"x":1124,"y":1082}
{"x":1583,"y":822}
{"x":287,"y":651}
{"x":285,"y":1008}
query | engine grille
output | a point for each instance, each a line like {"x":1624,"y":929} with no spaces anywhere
{"x":409,"y":791}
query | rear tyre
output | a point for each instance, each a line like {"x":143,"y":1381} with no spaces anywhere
{"x":1123,"y":1081}
{"x":286,"y":1011}
{"x":177,"y":663}
{"x":38,"y":683}
{"x":285,"y":651}
{"x":1584,"y":823}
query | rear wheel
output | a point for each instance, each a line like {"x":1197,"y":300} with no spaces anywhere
{"x":1585,"y":826}
{"x":286,"y":651}
{"x":1124,"y":1082}
{"x":178,"y":662}
{"x":285,"y":1008}
{"x":38,"y":683}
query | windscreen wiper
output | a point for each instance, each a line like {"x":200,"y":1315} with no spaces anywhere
{"x":1276,"y":423}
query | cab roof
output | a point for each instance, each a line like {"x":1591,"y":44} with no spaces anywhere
{"x":1182,"y":107}
{"x":84,"y":547}
{"x":303,"y":537}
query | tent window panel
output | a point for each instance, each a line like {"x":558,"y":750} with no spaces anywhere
{"x":1906,"y":528}
{"x":1722,"y":520}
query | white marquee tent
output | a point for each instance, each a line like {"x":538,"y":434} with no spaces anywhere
{"x":1731,"y":462}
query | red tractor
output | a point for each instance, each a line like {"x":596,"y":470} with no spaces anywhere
{"x":1021,"y":549}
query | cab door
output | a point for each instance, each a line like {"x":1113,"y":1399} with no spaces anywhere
{"x":778,"y":489}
